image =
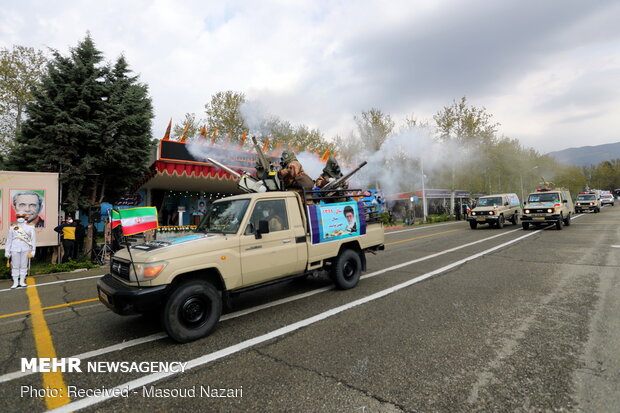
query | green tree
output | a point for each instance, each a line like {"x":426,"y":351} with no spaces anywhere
{"x":193,"y":127}
{"x":374,"y":127}
{"x":91,"y":123}
{"x":465,"y":124}
{"x":224,"y":114}
{"x":21,"y":69}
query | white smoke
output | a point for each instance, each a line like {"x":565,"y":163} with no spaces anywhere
{"x":312,"y":164}
{"x":397,"y":166}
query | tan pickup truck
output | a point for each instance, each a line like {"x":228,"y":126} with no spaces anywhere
{"x":243,"y":242}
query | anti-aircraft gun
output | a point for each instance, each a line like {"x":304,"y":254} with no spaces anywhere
{"x":265,"y":170}
{"x":246,"y":182}
{"x":338,"y":182}
{"x":267,"y":178}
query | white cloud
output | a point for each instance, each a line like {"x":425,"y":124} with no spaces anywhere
{"x":548,"y":74}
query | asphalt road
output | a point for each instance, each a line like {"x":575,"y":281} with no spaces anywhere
{"x":447,"y":319}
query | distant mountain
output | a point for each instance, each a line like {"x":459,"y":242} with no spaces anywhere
{"x":587,"y":155}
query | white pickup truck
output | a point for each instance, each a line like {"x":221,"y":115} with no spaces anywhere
{"x":243,"y":242}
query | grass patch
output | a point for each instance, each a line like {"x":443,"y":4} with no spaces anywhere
{"x":40,"y":267}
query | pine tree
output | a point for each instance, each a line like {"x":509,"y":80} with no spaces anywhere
{"x":91,"y":123}
{"x":126,"y":144}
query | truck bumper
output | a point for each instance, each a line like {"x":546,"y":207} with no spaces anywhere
{"x":540,"y":220}
{"x":585,"y":208}
{"x":126,"y":299}
{"x":484,"y":219}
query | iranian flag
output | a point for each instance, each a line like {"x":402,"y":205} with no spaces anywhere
{"x":115,"y":219}
{"x":136,"y":220}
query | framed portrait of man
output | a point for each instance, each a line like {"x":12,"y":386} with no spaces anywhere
{"x":30,"y":202}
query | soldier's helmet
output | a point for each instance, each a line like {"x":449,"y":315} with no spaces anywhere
{"x":286,"y":158}
{"x":332,"y":169}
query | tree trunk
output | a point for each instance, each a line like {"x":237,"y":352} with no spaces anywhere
{"x":88,"y":240}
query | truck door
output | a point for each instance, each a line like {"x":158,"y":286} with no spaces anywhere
{"x":274,"y":254}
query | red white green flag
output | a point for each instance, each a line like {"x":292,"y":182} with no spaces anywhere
{"x":115,"y":219}
{"x":136,"y":220}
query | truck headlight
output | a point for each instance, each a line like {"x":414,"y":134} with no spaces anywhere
{"x":491,"y":212}
{"x":473,"y":213}
{"x":527,"y":211}
{"x":147,"y":271}
{"x":549,"y":210}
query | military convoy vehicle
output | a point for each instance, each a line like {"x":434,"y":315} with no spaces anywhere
{"x":548,"y":206}
{"x":244,"y":242}
{"x":588,"y":201}
{"x":495,"y":210}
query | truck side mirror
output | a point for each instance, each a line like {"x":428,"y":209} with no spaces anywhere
{"x":506,"y":204}
{"x":524,"y":202}
{"x":263,"y":228}
{"x":565,"y":201}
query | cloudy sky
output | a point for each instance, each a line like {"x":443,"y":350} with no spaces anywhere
{"x":548,"y":71}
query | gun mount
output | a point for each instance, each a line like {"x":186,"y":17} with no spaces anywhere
{"x":266,"y":172}
{"x":338,"y":182}
{"x":246,"y":182}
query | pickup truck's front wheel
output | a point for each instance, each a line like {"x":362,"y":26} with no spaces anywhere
{"x":192,"y":311}
{"x":346,"y":270}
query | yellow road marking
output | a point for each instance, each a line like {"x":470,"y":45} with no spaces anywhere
{"x":50,"y":307}
{"x":425,"y":236}
{"x":45,"y":348}
{"x":96,"y":299}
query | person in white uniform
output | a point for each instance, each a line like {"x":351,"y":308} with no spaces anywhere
{"x":20,"y":247}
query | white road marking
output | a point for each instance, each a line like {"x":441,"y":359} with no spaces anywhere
{"x":56,"y":282}
{"x":207,"y":358}
{"x":158,"y":336}
{"x":153,"y":337}
{"x":99,"y":276}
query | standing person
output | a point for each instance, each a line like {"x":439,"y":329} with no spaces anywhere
{"x":67,"y":230}
{"x":292,"y":173}
{"x":20,"y":247}
{"x":80,"y":232}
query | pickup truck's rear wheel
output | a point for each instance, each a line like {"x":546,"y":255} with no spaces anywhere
{"x":473,"y":224}
{"x":192,"y":311}
{"x":346,"y":270}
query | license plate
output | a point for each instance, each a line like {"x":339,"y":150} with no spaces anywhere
{"x":539,"y":218}
{"x":480,"y":220}
{"x":104,"y":297}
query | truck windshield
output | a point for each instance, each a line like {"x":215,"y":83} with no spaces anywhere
{"x":585,"y":198}
{"x":544,"y":197}
{"x":224,"y":217}
{"x":489,"y":201}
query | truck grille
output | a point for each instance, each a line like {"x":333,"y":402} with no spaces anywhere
{"x":539,"y":210}
{"x":120,"y":269}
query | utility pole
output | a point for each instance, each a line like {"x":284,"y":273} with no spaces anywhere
{"x":424,"y":211}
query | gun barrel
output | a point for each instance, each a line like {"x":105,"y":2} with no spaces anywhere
{"x":224,"y":167}
{"x":334,"y":184}
{"x":261,"y":156}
